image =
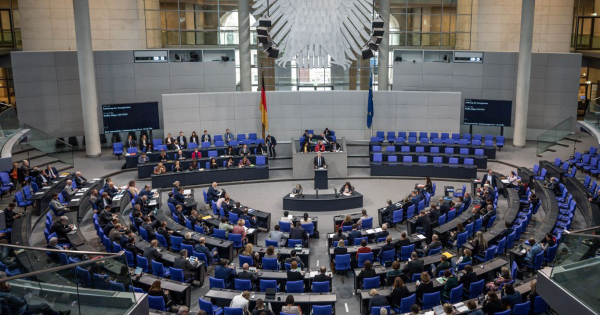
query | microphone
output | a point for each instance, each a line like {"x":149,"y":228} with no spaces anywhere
{"x":317,"y":189}
{"x":335,"y":192}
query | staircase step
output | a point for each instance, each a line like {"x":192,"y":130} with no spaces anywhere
{"x":42,"y":161}
{"x":29,"y":154}
{"x":19,"y":148}
{"x":60,"y":166}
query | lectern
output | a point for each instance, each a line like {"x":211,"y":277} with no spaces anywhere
{"x":321,"y":178}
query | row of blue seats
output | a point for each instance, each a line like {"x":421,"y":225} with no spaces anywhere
{"x":378,"y":158}
{"x":211,"y":309}
{"x":418,"y":149}
{"x":423,"y":137}
{"x":118,"y":148}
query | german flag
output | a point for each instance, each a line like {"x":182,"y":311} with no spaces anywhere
{"x":264,"y":116}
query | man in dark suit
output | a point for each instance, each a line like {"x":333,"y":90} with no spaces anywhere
{"x":146,"y":191}
{"x":24,"y":171}
{"x":404,"y":241}
{"x":124,"y":239}
{"x":322,"y":277}
{"x":179,"y":214}
{"x":111,"y":190}
{"x":376,"y":300}
{"x":435,"y":243}
{"x":416,"y":197}
{"x":10,"y":215}
{"x":554,"y":186}
{"x":355,"y":233}
{"x":205,"y":137}
{"x":147,"y":225}
{"x":415,"y":265}
{"x":210,"y":254}
{"x":182,"y":140}
{"x":423,"y":223}
{"x":189,"y":270}
{"x":384,"y":232}
{"x":489,"y":177}
{"x":387,"y":246}
{"x":104,"y":217}
{"x":298,"y":233}
{"x":443,"y":206}
{"x":489,"y":214}
{"x":42,"y":179}
{"x":172,"y":200}
{"x":388,"y":212}
{"x":130,"y":246}
{"x":244,"y":151}
{"x":271,"y":143}
{"x":104,"y":201}
{"x":434,"y":213}
{"x":320,"y":161}
{"x":109,"y":226}
{"x":80,"y":181}
{"x":137,"y":218}
{"x":245,"y":274}
{"x":475,"y":215}
{"x":225,"y":272}
{"x":228,"y":136}
{"x":61,"y":228}
{"x":169,"y":142}
{"x":507,"y":230}
{"x":213,"y":192}
{"x":151,"y":253}
{"x":130,"y":143}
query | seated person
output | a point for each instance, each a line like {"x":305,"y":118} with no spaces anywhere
{"x":297,"y":190}
{"x":444,"y":264}
{"x":319,"y":147}
{"x":295,"y":273}
{"x":177,"y":167}
{"x":468,"y":277}
{"x":143,"y":159}
{"x":510,"y":297}
{"x":17,"y":304}
{"x":190,"y":270}
{"x":160,"y":169}
{"x":503,"y":278}
{"x":213,"y":164}
{"x":366,"y":272}
{"x":194,"y":165}
{"x":163,"y":157}
{"x":244,"y":162}
{"x":364,"y":215}
{"x":450,"y":282}
{"x":211,"y":254}
{"x":244,"y":151}
{"x":229,"y":151}
{"x":363,"y":248}
{"x":226,"y":272}
{"x":230,"y":163}
{"x":62,"y":228}
{"x":305,"y":148}
{"x":435,"y":243}
{"x":347,"y":189}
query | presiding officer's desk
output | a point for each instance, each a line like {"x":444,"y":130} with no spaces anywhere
{"x":224,"y":247}
{"x":285,"y":252}
{"x":424,"y":170}
{"x":304,"y":163}
{"x":43,"y":197}
{"x":222,"y":298}
{"x":146,"y":170}
{"x":188,"y":178}
{"x":323,"y":202}
{"x":80,"y":201}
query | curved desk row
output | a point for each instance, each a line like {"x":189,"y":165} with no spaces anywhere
{"x":147,"y":169}
{"x":222,"y":298}
{"x":550,"y":206}
{"x":43,"y":197}
{"x":131,"y":160}
{"x":479,"y":160}
{"x":590,"y":211}
{"x":490,"y":152}
{"x":424,"y":170}
{"x":188,"y":178}
{"x":80,"y":201}
{"x":325,"y":202}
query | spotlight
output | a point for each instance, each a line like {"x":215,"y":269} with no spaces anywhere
{"x":367,"y":53}
{"x":377,"y":23}
{"x":378,"y":32}
{"x":262,"y":31}
{"x":266,"y":22}
{"x":263,"y":39}
{"x":376,"y":39}
{"x":273,"y":52}
{"x":373,"y":46}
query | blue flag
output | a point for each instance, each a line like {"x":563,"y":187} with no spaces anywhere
{"x":370,"y":111}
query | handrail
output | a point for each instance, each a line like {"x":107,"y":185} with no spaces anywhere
{"x":551,"y":136}
{"x":49,"y":137}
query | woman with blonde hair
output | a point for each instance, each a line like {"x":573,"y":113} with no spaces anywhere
{"x":240,"y":228}
{"x":480,"y":244}
{"x":249,"y":251}
{"x":348,"y":221}
{"x":503,"y":278}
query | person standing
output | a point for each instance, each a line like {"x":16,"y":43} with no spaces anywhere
{"x":271,"y":143}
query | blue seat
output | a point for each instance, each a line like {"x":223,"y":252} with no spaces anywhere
{"x":156,"y":303}
{"x":455,"y":295}
{"x":363,"y":257}
{"x":367,"y":223}
{"x":430,"y":300}
{"x":268,"y":284}
{"x":118,"y":149}
{"x":245,"y":260}
{"x":218,"y":233}
{"x":21,"y":202}
{"x":130,"y":258}
{"x":233,"y":311}
{"x":522,"y":308}
{"x":294,"y":286}
{"x":292,"y":243}
{"x":161,"y":240}
{"x":406,"y":303}
{"x":405,"y":252}
{"x":539,"y":305}
{"x":342,"y":262}
{"x":159,"y":270}
{"x":377,"y":157}
{"x":285,"y":226}
{"x":142,"y":262}
{"x":209,"y":308}
{"x":115,"y":286}
{"x":476,"y":289}
{"x":461,"y":239}
{"x":376,"y":310}
{"x":236,"y":239}
{"x":507,"y":312}
{"x":270,"y":263}
{"x":215,"y":283}
{"x":371,"y":283}
{"x":397,"y":216}
{"x":177,"y":275}
{"x":490,"y":253}
{"x":537,"y":261}
{"x":133,"y":150}
{"x":319,"y":286}
{"x":176,"y":242}
{"x":309,"y":228}
{"x":322,"y":309}
{"x":387,"y":257}
{"x":273,"y":243}
{"x":243,"y":284}
{"x":85,"y":279}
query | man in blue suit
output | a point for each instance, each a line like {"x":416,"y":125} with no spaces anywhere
{"x":225,"y":272}
{"x":416,"y":197}
{"x":213,"y":192}
{"x":146,"y":191}
{"x":355,"y":233}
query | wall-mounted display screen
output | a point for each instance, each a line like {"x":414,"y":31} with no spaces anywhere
{"x":487,"y":113}
{"x":130,"y":117}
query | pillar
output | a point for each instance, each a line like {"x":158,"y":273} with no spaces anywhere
{"x":87,"y":77}
{"x":523,"y":73}
{"x":384,"y":55}
{"x":244,"y":35}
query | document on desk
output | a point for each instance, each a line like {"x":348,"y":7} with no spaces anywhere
{"x":187,"y":192}
{"x":46,"y":187}
{"x":118,"y":197}
{"x":313,"y":273}
{"x":251,"y":230}
{"x":421,"y":237}
{"x":152,"y":203}
{"x":75,"y":200}
{"x":461,"y":307}
{"x":39,"y":193}
{"x":505,"y":181}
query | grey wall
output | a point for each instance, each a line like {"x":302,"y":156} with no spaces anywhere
{"x":553,"y":90}
{"x":290,"y":113}
{"x":47,"y":85}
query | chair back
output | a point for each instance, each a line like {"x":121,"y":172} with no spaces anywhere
{"x":245,"y":260}
{"x":142,"y":262}
{"x":243,"y":284}
{"x":476,"y":289}
{"x":405,"y":252}
{"x":176,"y":274}
{"x":294,"y":286}
{"x":267,"y":284}
{"x":156,"y":303}
{"x":407,"y":302}
{"x":215,"y":283}
{"x":363,"y":257}
{"x":376,"y":310}
{"x":522,"y":308}
{"x":318,"y":287}
{"x":323,"y":310}
{"x":456,"y":294}
{"x":158,"y":269}
{"x":233,"y":311}
{"x":218,"y":233}
{"x":273,"y":243}
{"x":539,"y":305}
{"x":342,"y":262}
{"x":176,"y":242}
{"x":285,"y":226}
{"x":270,"y":263}
{"x":367,"y":223}
{"x":236,"y":239}
{"x":371,"y":283}
{"x":430,"y":300}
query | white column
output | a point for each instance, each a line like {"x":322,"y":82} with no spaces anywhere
{"x":524,"y":73}
{"x":87,"y":77}
{"x":383,"y":56}
{"x":244,"y":35}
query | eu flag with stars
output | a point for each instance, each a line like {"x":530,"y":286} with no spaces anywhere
{"x":370,"y":107}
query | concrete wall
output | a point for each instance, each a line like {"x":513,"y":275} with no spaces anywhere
{"x":553,"y":90}
{"x":496,"y":25}
{"x":290,"y":113}
{"x":47,"y":85}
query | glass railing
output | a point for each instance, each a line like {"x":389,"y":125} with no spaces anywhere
{"x":577,"y":268}
{"x":52,"y":147}
{"x":553,"y":135}
{"x":592,"y":114}
{"x":60,"y":280}
{"x":9,"y":125}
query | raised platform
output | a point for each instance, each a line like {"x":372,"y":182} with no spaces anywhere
{"x":323,"y":202}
